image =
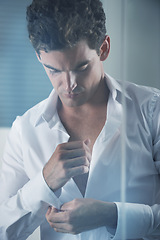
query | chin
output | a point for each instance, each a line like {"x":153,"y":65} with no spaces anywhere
{"x":72,"y":103}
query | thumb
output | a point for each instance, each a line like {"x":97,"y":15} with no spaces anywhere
{"x":48,"y":211}
{"x":51,"y":209}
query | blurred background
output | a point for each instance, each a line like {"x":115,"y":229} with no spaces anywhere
{"x":23,"y":82}
{"x":134,"y":29}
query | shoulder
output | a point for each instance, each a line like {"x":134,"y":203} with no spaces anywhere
{"x":35,"y":112}
{"x":133,"y":91}
{"x":141,"y":91}
{"x":144,"y":101}
{"x":141,"y":95}
{"x":28,"y":119}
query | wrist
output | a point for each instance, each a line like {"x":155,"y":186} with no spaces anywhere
{"x":109,"y":214}
{"x":46,"y":177}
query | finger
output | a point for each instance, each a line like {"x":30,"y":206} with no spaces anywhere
{"x":72,"y":145}
{"x":66,"y":206}
{"x":74,"y":153}
{"x":63,"y":228}
{"x":87,"y":144}
{"x":77,"y":145}
{"x":50,"y":211}
{"x":57,"y":217}
{"x":72,"y":172}
{"x":60,"y":229}
{"x":80,"y":161}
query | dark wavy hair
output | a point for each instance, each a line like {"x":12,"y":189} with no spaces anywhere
{"x":60,"y":24}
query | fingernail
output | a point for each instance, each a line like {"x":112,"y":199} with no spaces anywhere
{"x":49,"y":210}
{"x":87,"y":141}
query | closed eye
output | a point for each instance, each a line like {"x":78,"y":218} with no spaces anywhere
{"x":52,"y":72}
{"x":82,"y":68}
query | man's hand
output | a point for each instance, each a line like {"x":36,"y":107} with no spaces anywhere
{"x":69,"y":159}
{"x":81,"y":215}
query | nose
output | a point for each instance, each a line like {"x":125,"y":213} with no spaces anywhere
{"x":70,"y":81}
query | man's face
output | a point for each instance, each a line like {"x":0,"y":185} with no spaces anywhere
{"x":74,"y":73}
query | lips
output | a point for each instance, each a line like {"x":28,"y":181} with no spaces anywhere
{"x":72,"y":95}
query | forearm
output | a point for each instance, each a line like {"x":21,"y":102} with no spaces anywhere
{"x":109,"y":214}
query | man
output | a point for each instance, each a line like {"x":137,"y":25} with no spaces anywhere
{"x":61,"y":165}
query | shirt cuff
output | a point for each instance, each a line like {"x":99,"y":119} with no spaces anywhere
{"x":138,"y":220}
{"x":37,"y":195}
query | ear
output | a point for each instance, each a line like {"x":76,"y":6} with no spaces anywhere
{"x":105,"y":48}
{"x":38,"y":56}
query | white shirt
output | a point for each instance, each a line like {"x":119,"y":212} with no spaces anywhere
{"x":25,"y":196}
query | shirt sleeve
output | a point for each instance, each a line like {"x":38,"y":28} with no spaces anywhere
{"x":138,"y":221}
{"x":143,"y":221}
{"x":23,"y":202}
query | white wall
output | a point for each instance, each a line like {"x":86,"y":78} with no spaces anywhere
{"x":142,"y":40}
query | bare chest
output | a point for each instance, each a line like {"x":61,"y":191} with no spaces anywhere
{"x":82,"y":129}
{"x":88,"y":128}
{"x":82,"y":126}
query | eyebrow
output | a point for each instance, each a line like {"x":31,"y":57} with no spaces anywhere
{"x":81,"y":64}
{"x":50,"y":67}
